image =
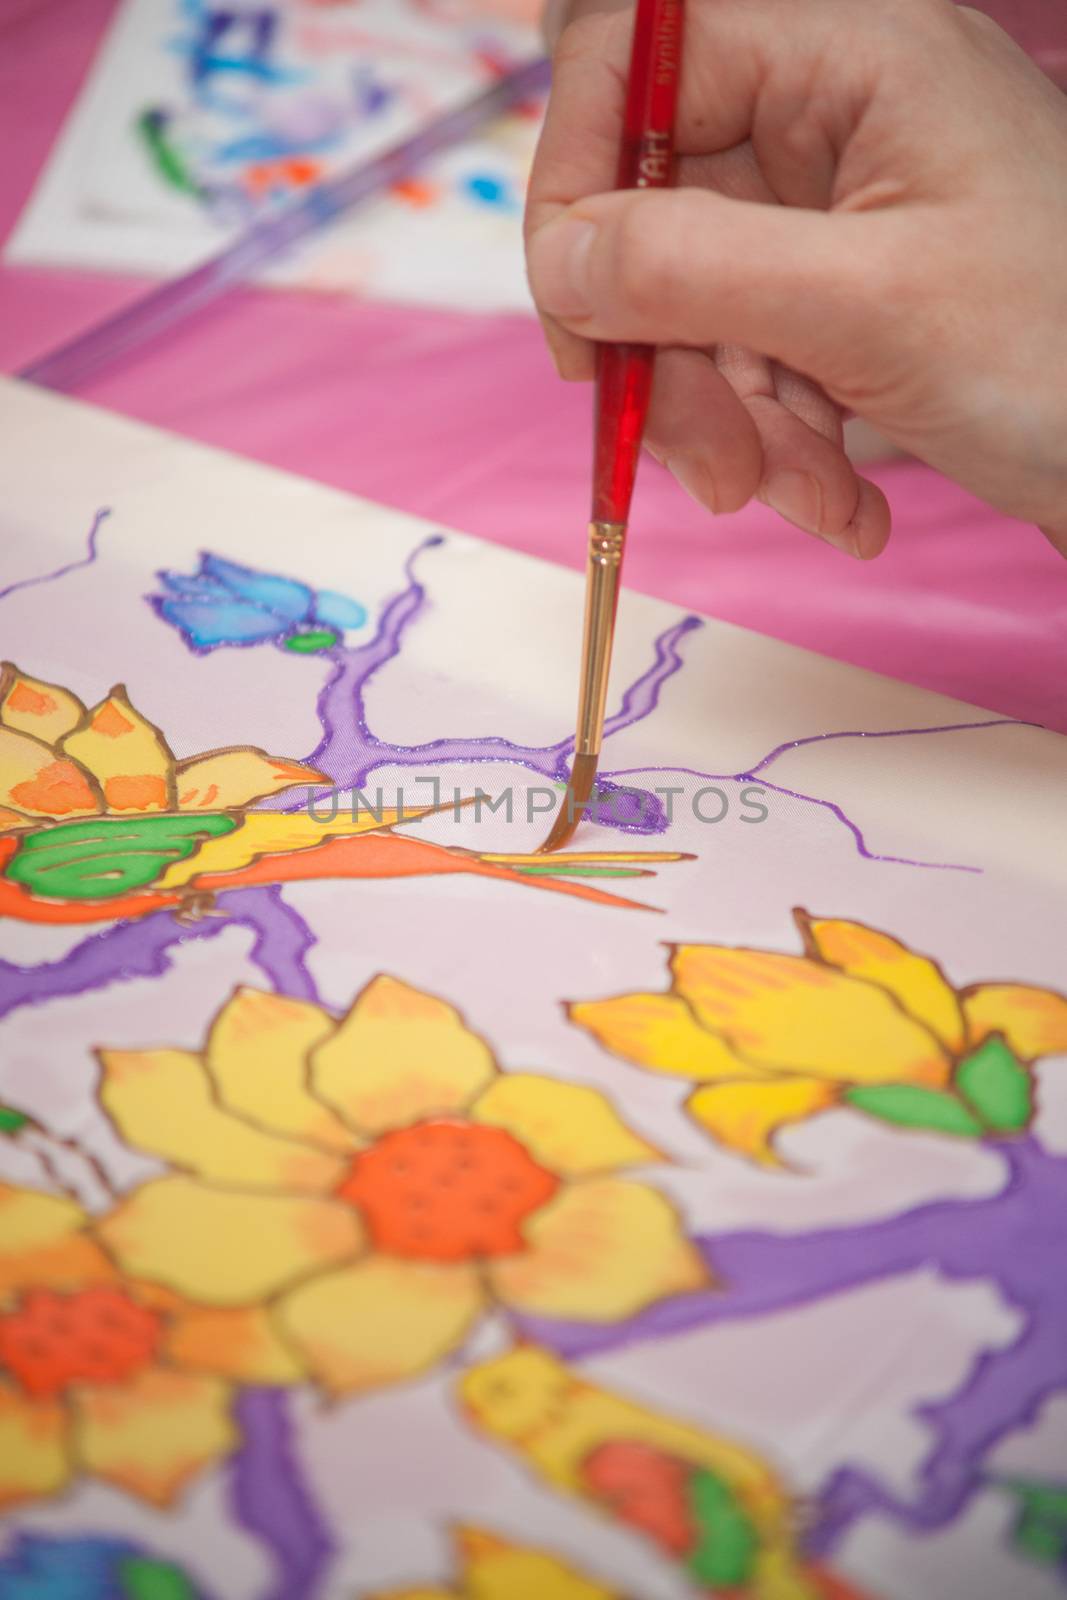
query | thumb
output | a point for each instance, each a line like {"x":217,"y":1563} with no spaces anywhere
{"x":692,"y":267}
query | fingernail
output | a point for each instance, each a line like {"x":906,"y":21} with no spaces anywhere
{"x":558,"y":265}
{"x":695,"y":479}
{"x":797,"y":496}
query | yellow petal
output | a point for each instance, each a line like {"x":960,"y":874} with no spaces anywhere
{"x":257,"y":1054}
{"x":745,"y":1116}
{"x":797,"y":1015}
{"x":419,"y":1594}
{"x":1033,"y":1021}
{"x":601,"y":1250}
{"x":570,"y":1129}
{"x":272,"y":833}
{"x":229,"y":778}
{"x":33,"y":779}
{"x":34,"y":1456}
{"x":659,"y":1031}
{"x":240,"y":1344}
{"x":915,"y":981}
{"x":380,"y":1320}
{"x":223,"y":1247}
{"x":129,"y":757}
{"x":29,"y":705}
{"x":153,"y":1433}
{"x":13,"y":821}
{"x":42,"y":1243}
{"x":399,"y":1055}
{"x":161,"y":1101}
{"x":29,"y":1220}
{"x":493,"y":1569}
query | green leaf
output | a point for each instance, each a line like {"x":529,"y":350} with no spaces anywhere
{"x":726,"y":1553}
{"x":997,"y":1086}
{"x":107,"y":856}
{"x":910,"y":1106}
{"x":144,"y":1579}
{"x":1040,"y":1529}
{"x":308,"y":643}
{"x":12,"y":1121}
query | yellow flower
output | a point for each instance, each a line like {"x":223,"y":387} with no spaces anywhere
{"x":381,"y":1183}
{"x":104,"y":1375}
{"x":60,"y":761}
{"x":859,"y":1019}
{"x":492,"y":1568}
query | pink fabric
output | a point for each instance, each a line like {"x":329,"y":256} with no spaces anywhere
{"x":462,"y":420}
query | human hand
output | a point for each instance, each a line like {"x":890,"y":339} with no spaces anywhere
{"x":871,"y":218}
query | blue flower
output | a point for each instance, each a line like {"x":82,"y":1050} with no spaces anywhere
{"x":88,"y":1568}
{"x":224,"y":603}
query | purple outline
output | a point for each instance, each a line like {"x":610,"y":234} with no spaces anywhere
{"x":270,"y":1500}
{"x":71,"y":566}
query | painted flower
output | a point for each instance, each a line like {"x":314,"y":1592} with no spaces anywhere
{"x":491,"y":1568}
{"x":224,"y":603}
{"x":858,"y":1020}
{"x":107,"y":1376}
{"x":381,"y":1184}
{"x":61,"y":761}
{"x":40,"y":1567}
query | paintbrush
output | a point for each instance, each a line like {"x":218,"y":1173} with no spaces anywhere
{"x":623,"y":386}
{"x":174,"y":303}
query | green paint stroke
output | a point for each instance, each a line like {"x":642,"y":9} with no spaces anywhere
{"x":582,"y":870}
{"x":109,"y":856}
{"x":910,"y":1106}
{"x":726,"y":1553}
{"x":166,"y":160}
{"x":144,"y":1579}
{"x":306,"y":644}
{"x":12,"y":1121}
{"x":1040,"y":1530}
{"x":996,"y":1086}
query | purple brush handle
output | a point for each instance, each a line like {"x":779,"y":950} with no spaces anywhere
{"x":164,"y":308}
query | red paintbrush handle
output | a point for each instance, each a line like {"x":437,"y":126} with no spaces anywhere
{"x":646,"y":161}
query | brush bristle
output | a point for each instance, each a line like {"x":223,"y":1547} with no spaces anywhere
{"x":580,"y":787}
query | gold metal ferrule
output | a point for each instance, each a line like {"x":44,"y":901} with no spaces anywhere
{"x":603,"y":571}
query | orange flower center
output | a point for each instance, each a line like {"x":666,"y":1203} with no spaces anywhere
{"x":447,"y":1191}
{"x":95,"y":1336}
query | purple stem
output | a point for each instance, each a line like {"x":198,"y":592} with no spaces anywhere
{"x":144,"y":949}
{"x":270,"y":1499}
{"x":1015,"y":1240}
{"x":71,"y":566}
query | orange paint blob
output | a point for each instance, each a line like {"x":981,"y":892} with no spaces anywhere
{"x":646,"y":1488}
{"x":144,"y":792}
{"x":31,"y":702}
{"x":58,"y":789}
{"x":446,"y":1190}
{"x":110,"y":721}
{"x":97,"y":1336}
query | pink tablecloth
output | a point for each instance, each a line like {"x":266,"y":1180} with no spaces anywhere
{"x":463,"y":421}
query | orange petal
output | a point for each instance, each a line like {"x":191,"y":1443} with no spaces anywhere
{"x":153,"y":1433}
{"x":1033,"y":1021}
{"x":35,"y":780}
{"x":34,"y":1457}
{"x":128,"y":755}
{"x":228,"y":778}
{"x":915,"y":981}
{"x":29,"y":705}
{"x":238,"y":1343}
{"x":798,"y":1015}
{"x":745,"y":1116}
